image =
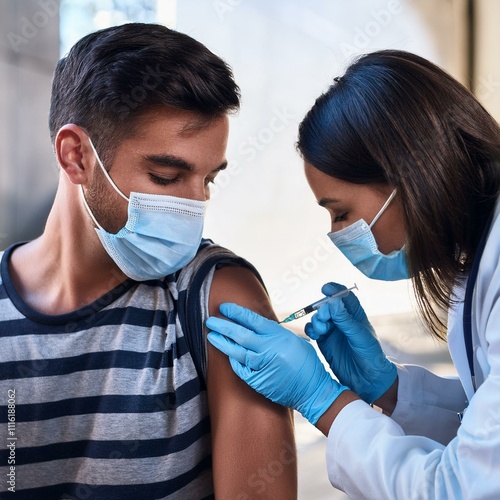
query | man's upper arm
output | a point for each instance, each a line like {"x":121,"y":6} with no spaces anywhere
{"x":252,"y":438}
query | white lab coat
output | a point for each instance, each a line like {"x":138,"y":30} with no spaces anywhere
{"x":373,"y":456}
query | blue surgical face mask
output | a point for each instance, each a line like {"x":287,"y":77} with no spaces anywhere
{"x":161,"y":236}
{"x":358,"y":244}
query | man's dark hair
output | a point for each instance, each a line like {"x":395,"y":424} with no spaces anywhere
{"x":113,"y":76}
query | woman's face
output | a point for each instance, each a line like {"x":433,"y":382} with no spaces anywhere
{"x":347,"y":203}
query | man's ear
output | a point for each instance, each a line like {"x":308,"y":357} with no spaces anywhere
{"x":74,"y":153}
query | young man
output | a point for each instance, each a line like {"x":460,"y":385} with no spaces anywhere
{"x":105,"y":399}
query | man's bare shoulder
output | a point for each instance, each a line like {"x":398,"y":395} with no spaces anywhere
{"x":242,"y":419}
{"x":239,"y":285}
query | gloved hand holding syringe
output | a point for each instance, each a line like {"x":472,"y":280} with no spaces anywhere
{"x":316,"y":305}
{"x":296,"y":378}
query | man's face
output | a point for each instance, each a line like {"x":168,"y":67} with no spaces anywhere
{"x":173,"y":152}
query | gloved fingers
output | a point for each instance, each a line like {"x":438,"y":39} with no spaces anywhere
{"x":253,"y":360}
{"x":354,"y":307}
{"x":256,"y":361}
{"x":239,"y":334}
{"x":249,"y":319}
{"x":350,"y":300}
{"x":228,"y":347}
{"x":359,"y":335}
{"x":309,"y":331}
{"x":332,"y":288}
{"x":318,"y":327}
{"x":244,"y":363}
{"x":335,"y":311}
{"x":241,"y":370}
{"x":323,"y":313}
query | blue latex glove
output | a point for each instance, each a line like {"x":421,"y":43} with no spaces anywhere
{"x":275,"y":362}
{"x":347,"y":340}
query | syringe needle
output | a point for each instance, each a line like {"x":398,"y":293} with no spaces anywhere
{"x":316,"y":305}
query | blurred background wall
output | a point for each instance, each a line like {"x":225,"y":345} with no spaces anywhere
{"x":29,"y":49}
{"x":284,"y":53}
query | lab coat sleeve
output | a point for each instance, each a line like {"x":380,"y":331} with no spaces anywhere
{"x":428,"y":405}
{"x":369,"y":455}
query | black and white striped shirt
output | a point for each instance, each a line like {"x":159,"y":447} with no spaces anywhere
{"x":108,"y":403}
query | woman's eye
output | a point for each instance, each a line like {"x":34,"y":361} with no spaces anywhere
{"x":162,"y":181}
{"x":340,"y":218}
{"x":209,"y":181}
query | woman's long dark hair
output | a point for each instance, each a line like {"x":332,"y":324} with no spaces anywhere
{"x":396,"y":118}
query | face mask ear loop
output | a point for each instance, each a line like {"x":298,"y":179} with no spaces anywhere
{"x":88,"y":208}
{"x":381,"y":211}
{"x":110,"y":180}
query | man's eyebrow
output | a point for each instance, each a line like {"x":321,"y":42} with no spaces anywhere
{"x":170,"y":161}
{"x":326,"y":201}
{"x":176,"y":162}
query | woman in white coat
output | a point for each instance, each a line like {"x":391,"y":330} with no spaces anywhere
{"x":406,"y":161}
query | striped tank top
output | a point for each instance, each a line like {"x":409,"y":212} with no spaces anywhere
{"x":109,"y":401}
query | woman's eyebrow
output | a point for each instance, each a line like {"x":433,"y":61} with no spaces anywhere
{"x":222,"y":166}
{"x":326,"y":201}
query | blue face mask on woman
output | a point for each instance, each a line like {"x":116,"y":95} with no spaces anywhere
{"x":162,"y":233}
{"x":358,"y":244}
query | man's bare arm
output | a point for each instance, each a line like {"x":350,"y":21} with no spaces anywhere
{"x":253,"y":442}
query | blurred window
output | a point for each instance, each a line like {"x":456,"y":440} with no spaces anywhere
{"x":80,"y":17}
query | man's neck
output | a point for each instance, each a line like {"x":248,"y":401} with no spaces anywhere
{"x":65,"y":268}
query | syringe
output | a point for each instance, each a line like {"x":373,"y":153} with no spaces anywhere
{"x":316,"y":305}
